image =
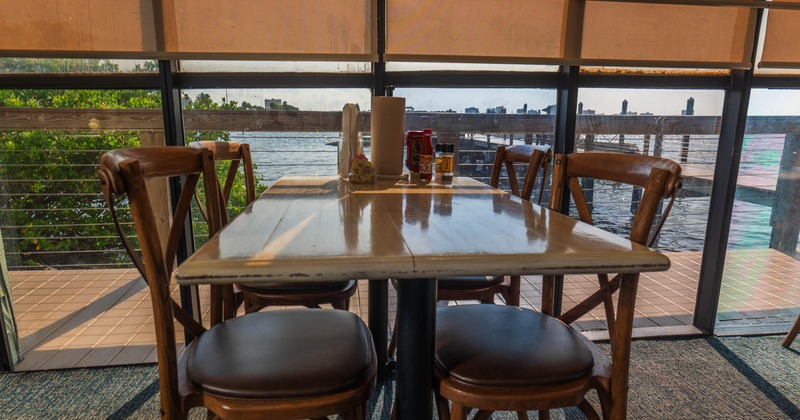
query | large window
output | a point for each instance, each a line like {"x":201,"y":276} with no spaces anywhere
{"x":75,"y":66}
{"x":479,"y":120}
{"x":290,"y":131}
{"x":275,"y":66}
{"x":676,"y":124}
{"x":53,"y":215}
{"x":680,"y":125}
{"x":759,"y":289}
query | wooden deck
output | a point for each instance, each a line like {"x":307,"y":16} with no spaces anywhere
{"x":764,"y":180}
{"x":81,"y":318}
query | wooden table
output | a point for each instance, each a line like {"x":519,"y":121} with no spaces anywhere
{"x":311,"y":229}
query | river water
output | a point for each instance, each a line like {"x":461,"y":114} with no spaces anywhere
{"x":315,"y":154}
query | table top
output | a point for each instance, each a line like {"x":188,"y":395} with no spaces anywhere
{"x":321,"y":228}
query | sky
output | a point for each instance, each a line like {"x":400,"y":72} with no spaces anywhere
{"x":601,"y":100}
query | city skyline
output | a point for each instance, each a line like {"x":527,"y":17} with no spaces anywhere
{"x":600,"y":100}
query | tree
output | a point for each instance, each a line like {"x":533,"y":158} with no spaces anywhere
{"x":283,"y":107}
{"x":57,"y":65}
{"x":54,"y":213}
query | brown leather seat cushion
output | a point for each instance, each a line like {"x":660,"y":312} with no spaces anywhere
{"x":470,"y":282}
{"x":282,"y":354}
{"x":297,"y":287}
{"x":493,"y":345}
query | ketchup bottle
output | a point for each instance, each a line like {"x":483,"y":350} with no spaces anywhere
{"x":426,"y":156}
{"x":413,"y":146}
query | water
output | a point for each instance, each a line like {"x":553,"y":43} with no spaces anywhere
{"x":291,"y":154}
{"x":278,"y":154}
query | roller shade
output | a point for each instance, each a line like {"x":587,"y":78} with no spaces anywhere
{"x":274,"y":29}
{"x":508,"y":31}
{"x":184,"y":29}
{"x":571,"y":32}
{"x":781,"y":38}
{"x":640,"y":33}
{"x":77,"y":27}
{"x":667,"y":35}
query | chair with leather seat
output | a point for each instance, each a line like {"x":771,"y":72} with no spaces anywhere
{"x":503,"y":358}
{"x":275,"y":364}
{"x":259,"y":296}
{"x":485,"y":288}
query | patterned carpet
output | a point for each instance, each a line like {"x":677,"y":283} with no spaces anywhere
{"x":709,"y":378}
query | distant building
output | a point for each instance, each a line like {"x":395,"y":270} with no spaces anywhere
{"x":496,"y":110}
{"x":523,"y":110}
{"x":472,"y":110}
{"x":549,"y":110}
{"x":269,"y":102}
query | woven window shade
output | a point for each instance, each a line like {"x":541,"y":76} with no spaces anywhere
{"x":76,"y":27}
{"x":781,"y":39}
{"x":185,"y":29}
{"x":667,"y":35}
{"x":275,"y":29}
{"x":581,"y":32}
{"x":516,"y":31}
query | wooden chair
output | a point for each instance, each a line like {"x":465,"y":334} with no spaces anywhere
{"x":484,"y":288}
{"x":258,"y":296}
{"x":276,"y":364}
{"x":506,"y":358}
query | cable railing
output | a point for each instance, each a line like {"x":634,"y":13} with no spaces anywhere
{"x":53,"y":215}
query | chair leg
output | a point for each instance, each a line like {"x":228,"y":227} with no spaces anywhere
{"x":482,"y":415}
{"x":514,"y":290}
{"x":459,"y":412}
{"x":250,"y":307}
{"x":792,"y":333}
{"x":356,"y":413}
{"x":522,"y":415}
{"x":605,"y":400}
{"x":217,"y":310}
{"x":548,"y":284}
{"x":442,"y":407}
{"x":229,"y":302}
{"x":588,"y":410}
{"x":544,"y":414}
{"x":392,"y":341}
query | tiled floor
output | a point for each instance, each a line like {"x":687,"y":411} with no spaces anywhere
{"x":81,"y":318}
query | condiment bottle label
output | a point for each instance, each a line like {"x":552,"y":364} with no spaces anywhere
{"x":425,"y":164}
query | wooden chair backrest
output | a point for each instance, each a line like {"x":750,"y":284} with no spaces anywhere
{"x":237,"y":154}
{"x":534,"y":156}
{"x":124,"y":172}
{"x":660,"y":178}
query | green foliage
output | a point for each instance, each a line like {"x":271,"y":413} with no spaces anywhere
{"x":283,"y":107}
{"x":56,"y":65}
{"x":54,"y":214}
{"x":150,"y":66}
